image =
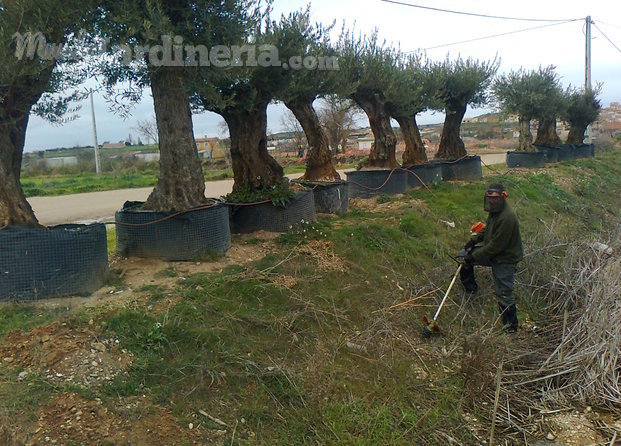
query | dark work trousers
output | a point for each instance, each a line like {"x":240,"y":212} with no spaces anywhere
{"x":504,"y":275}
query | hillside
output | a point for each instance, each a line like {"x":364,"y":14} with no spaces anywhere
{"x":313,"y":337}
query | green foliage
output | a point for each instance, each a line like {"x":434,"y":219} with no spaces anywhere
{"x":464,"y":82}
{"x":415,"y":87}
{"x":367,"y":66}
{"x":139,"y":332}
{"x":530,"y":94}
{"x":296,"y":36}
{"x":28,"y":79}
{"x":582,"y":107}
{"x":278,"y":195}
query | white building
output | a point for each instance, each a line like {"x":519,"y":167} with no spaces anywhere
{"x":64,"y":161}
{"x":148,"y":157}
{"x":365,"y":143}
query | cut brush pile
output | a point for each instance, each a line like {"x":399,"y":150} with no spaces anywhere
{"x":573,"y":361}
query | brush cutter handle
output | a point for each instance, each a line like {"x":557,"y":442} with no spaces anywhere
{"x":435,"y":318}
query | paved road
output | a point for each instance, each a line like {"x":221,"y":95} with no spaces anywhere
{"x":100,"y":206}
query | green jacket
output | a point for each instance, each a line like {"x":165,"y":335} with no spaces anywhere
{"x":501,"y":239}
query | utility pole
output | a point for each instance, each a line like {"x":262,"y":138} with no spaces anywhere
{"x":95,"y":145}
{"x":587,"y":70}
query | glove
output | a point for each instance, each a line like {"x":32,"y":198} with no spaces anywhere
{"x":469,"y":259}
{"x":468,"y":246}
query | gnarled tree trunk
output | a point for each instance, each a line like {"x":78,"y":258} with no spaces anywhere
{"x":319,"y":158}
{"x":181,"y":185}
{"x":576,"y":134}
{"x":451,"y":145}
{"x":546,"y":134}
{"x":16,"y":105}
{"x":383,"y":152}
{"x":253,"y":167}
{"x":526,"y":136}
{"x":14,"y":208}
{"x":414,"y":148}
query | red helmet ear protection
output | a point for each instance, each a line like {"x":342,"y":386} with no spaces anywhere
{"x":494,"y":193}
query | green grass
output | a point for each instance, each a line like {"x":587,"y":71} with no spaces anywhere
{"x":77,"y":183}
{"x":237,"y":345}
{"x":84,"y":182}
{"x":23,"y":317}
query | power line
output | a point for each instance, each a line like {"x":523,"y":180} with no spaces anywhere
{"x":609,"y":24}
{"x":472,"y":14}
{"x":611,"y":42}
{"x":493,"y":36}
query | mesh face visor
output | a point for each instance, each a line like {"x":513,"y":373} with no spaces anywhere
{"x":494,"y":200}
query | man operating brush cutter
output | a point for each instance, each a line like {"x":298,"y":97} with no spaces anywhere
{"x":499,"y":246}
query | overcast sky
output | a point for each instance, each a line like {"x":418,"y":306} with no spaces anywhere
{"x":412,"y":29}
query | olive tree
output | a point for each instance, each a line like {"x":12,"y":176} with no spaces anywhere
{"x":549,"y":109}
{"x":582,"y":109}
{"x":33,"y":66}
{"x":159,"y":44}
{"x":526,"y":94}
{"x":367,"y":67}
{"x":413,"y":91}
{"x":316,"y":76}
{"x":241,"y":95}
{"x":463,"y":83}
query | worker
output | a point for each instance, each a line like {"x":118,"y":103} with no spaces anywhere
{"x":501,"y":249}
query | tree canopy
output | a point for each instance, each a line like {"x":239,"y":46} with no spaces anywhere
{"x":531,"y":94}
{"x":582,"y":109}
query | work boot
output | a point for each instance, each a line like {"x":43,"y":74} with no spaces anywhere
{"x":509,"y":318}
{"x":512,"y":319}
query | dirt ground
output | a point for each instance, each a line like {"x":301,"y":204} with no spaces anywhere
{"x":64,"y":356}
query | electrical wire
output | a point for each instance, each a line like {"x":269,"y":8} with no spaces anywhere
{"x":609,"y":24}
{"x":611,"y":42}
{"x":473,"y":14}
{"x":492,"y":36}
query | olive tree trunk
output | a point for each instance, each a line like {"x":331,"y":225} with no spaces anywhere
{"x":319,"y":158}
{"x":546,"y":134}
{"x":383,"y":152}
{"x":526,"y":136}
{"x":253,"y":167}
{"x":414,"y":148}
{"x":451,"y":145}
{"x":14,"y":114}
{"x":181,"y":185}
{"x":14,"y":208}
{"x":576,"y":134}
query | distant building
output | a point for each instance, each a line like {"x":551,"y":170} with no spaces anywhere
{"x":365,"y":143}
{"x":147,"y":157}
{"x":210,"y":148}
{"x":609,"y":121}
{"x":64,"y":161}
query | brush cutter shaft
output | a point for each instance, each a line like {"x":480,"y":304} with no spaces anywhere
{"x":435,"y":318}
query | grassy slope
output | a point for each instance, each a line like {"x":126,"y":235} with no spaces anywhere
{"x":239,"y":346}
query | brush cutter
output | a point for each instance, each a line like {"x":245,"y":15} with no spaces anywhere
{"x":431,"y":328}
